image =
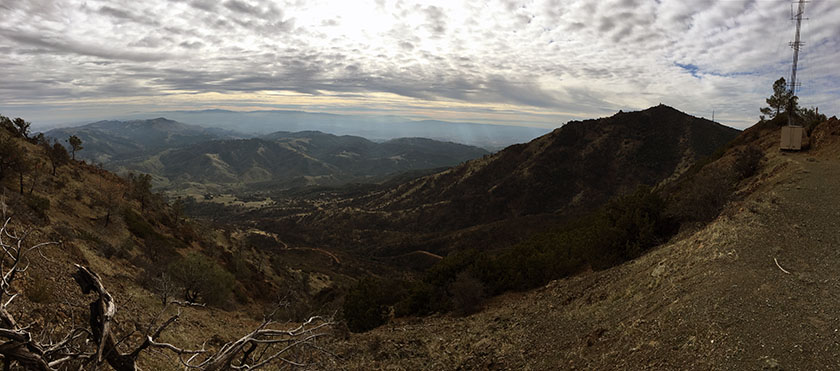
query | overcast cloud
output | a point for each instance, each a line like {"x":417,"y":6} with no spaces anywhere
{"x":537,"y":63}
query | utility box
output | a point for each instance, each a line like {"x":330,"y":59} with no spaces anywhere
{"x":791,"y":138}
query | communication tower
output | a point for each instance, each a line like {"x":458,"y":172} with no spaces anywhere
{"x":792,"y":133}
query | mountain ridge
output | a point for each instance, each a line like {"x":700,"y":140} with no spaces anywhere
{"x":580,"y":166}
{"x":746,"y":291}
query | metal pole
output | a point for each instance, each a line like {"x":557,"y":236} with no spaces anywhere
{"x":796,"y":44}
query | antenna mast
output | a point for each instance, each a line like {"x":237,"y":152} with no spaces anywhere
{"x":796,"y":45}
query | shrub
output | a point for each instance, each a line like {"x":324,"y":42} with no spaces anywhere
{"x":367,"y":304}
{"x":748,"y":161}
{"x":106,"y":250}
{"x":623,"y":229}
{"x":39,"y":205}
{"x":702,"y":198}
{"x":636,"y":222}
{"x":467,"y":294}
{"x":202,"y":278}
{"x":137,"y":225}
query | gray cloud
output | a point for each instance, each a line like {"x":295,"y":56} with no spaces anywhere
{"x":63,"y":46}
{"x":436,"y":19}
{"x":128,"y":16}
{"x":205,"y":5}
{"x":576,"y":56}
{"x":192,"y":44}
{"x":268,"y":11}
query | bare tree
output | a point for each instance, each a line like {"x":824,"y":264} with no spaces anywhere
{"x":97,"y":344}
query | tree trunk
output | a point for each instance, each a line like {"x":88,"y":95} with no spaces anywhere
{"x":20,"y":174}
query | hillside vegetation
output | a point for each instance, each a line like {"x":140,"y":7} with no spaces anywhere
{"x":500,"y":199}
{"x":110,"y":233}
{"x":750,"y":289}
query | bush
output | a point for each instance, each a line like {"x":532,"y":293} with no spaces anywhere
{"x":367,"y":304}
{"x":623,"y":229}
{"x":636,"y":222}
{"x":106,"y":250}
{"x":137,"y":225}
{"x":467,"y":294}
{"x":748,"y":161}
{"x":202,"y":278}
{"x":39,"y":205}
{"x":703,"y":197}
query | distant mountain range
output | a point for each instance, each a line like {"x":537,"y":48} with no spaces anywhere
{"x":108,"y":141}
{"x":501,"y":198}
{"x":181,"y":155}
{"x":576,"y":167}
{"x":376,"y":128}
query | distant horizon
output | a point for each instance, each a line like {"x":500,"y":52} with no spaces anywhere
{"x":163,"y":114}
{"x":536,"y":63}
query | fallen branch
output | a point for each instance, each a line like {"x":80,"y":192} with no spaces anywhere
{"x":780,"y":267}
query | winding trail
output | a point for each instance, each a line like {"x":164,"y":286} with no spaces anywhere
{"x":286,"y":247}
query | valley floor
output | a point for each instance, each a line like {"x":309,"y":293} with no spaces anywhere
{"x":758,"y":288}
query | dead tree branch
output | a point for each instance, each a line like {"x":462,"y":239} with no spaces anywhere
{"x":19,"y":345}
{"x":97,"y":344}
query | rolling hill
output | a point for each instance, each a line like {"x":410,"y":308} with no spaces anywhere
{"x":501,"y":198}
{"x":283,"y":160}
{"x":378,"y":128}
{"x":182,"y":156}
{"x":107,"y":141}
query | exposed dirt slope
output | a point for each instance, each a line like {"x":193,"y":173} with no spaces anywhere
{"x":714,"y":299}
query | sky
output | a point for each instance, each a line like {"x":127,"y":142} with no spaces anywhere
{"x":532,"y":63}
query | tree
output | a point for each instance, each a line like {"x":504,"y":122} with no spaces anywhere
{"x":7,"y":124}
{"x":22,"y":127}
{"x":75,"y":145}
{"x":57,"y":154}
{"x":12,"y":158}
{"x":202,"y":278}
{"x":111,"y":196}
{"x":811,"y":117}
{"x":39,"y":139}
{"x":141,"y":188}
{"x":780,"y":100}
{"x":9,"y":151}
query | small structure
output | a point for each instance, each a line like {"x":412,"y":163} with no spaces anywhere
{"x":792,"y":138}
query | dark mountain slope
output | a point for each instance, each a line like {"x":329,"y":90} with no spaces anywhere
{"x":754,"y":289}
{"x":572,"y":169}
